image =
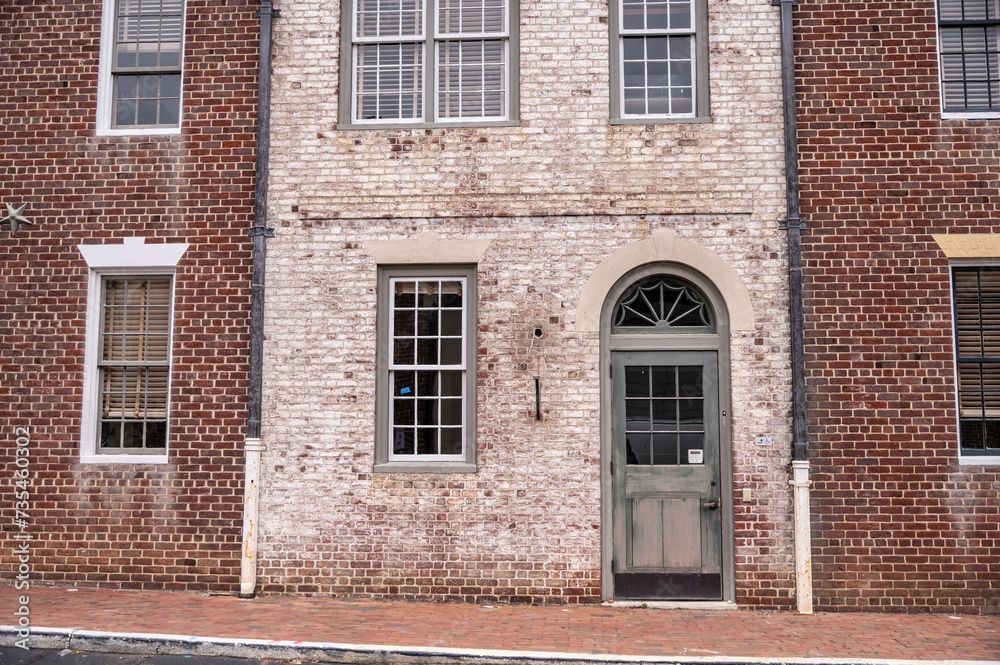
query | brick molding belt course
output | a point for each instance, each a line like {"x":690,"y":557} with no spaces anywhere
{"x":363,"y":654}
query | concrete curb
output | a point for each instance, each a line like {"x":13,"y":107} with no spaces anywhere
{"x":367,"y":654}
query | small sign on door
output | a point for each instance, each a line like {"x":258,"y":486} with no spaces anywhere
{"x":696,"y":456}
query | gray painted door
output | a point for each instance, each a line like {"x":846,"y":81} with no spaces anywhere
{"x":667,"y":517}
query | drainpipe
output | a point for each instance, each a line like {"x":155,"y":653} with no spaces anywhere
{"x":800,"y":451}
{"x":254,"y":446}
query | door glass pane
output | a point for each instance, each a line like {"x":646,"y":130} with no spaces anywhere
{"x":636,"y":382}
{"x":637,"y":448}
{"x":664,"y":448}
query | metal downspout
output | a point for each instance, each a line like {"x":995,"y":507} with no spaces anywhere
{"x":800,"y":451}
{"x":253,"y":446}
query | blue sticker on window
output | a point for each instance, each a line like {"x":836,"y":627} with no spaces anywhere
{"x":404,"y":391}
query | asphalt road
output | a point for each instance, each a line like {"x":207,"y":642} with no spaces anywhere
{"x":15,"y":656}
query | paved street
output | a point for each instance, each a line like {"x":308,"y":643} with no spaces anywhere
{"x":216,"y":625}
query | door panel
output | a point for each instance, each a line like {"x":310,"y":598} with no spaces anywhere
{"x":667,"y":525}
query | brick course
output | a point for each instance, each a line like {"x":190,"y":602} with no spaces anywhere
{"x":173,"y":526}
{"x":898,"y":524}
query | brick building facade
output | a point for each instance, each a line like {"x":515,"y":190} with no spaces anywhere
{"x":544,"y":209}
{"x":900,"y":197}
{"x":139,"y":206}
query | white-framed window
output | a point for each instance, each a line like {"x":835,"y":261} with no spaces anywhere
{"x":968,"y":33}
{"x":429,"y":62}
{"x":659,"y":61}
{"x":976,"y":302}
{"x":141,"y":70}
{"x":426,"y":393}
{"x":128,"y":351}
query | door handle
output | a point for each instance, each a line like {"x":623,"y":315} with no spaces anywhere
{"x":711,"y":505}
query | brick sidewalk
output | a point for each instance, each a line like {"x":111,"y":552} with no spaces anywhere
{"x":564,"y":629}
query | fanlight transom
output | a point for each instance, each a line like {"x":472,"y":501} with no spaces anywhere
{"x":663,"y":303}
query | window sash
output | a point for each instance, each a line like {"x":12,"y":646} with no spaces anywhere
{"x":969,"y":55}
{"x":443,"y":81}
{"x":976,"y":302}
{"x":658,"y":55}
{"x":147,"y":54}
{"x":427,"y":369}
{"x":134,"y":364}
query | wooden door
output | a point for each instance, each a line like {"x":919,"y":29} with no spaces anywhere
{"x":665,"y":468}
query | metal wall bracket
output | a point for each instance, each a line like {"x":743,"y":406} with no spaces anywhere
{"x":798,"y":223}
{"x":255,"y":231}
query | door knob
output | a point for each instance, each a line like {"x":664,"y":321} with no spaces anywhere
{"x":711,"y":505}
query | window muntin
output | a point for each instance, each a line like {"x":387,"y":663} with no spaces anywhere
{"x":442,"y":61}
{"x":968,"y":32}
{"x":134,"y":364}
{"x":659,"y":55}
{"x":427,"y":371}
{"x":146,"y":70}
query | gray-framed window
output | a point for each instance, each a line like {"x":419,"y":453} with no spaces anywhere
{"x":412,"y":63}
{"x":426,"y":369}
{"x":134,"y":364}
{"x":976,"y":296}
{"x":659,"y":61}
{"x":146,"y":69}
{"x":969,"y":55}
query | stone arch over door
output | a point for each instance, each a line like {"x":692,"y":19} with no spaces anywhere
{"x":681,"y":262}
{"x":664,"y":246}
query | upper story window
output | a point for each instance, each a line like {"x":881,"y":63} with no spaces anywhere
{"x":141,"y":66}
{"x":659,"y":56}
{"x":426,"y":62}
{"x":970,"y":76}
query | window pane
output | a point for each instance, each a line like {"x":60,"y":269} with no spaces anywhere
{"x":451,"y":441}
{"x":637,"y":448}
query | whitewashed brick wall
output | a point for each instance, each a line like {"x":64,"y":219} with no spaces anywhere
{"x":556,"y":195}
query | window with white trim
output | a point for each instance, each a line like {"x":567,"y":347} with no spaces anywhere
{"x":968,"y":32}
{"x":421,"y":62}
{"x":977,"y":349}
{"x":126,"y":379}
{"x":659,"y":55}
{"x":426,"y":369}
{"x":141,"y":66}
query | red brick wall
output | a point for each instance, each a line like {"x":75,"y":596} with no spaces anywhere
{"x":173,"y":526}
{"x":898,"y":524}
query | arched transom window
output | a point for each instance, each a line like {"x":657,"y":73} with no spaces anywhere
{"x":663,"y":304}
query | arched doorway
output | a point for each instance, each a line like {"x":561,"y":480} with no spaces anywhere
{"x":666,"y":437}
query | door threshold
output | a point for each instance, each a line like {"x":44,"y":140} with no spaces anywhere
{"x":674,"y":604}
